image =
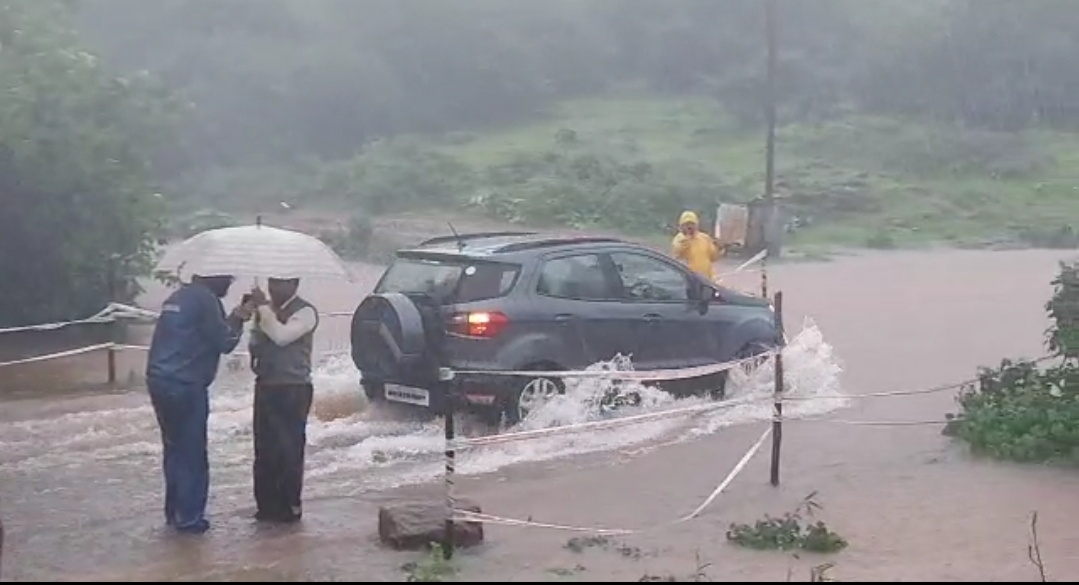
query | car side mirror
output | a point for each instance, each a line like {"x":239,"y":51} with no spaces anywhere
{"x":703,"y":295}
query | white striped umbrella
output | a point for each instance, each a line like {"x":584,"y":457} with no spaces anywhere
{"x":253,"y":251}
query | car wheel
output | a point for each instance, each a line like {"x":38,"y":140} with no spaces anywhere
{"x":529,"y":394}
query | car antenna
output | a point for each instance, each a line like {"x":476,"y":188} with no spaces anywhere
{"x":460,"y":242}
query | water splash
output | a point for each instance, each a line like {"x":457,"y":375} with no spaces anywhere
{"x":584,"y":397}
{"x":355,"y":446}
{"x":811,"y":370}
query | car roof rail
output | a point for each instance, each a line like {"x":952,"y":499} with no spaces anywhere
{"x":553,"y":242}
{"x":449,"y":239}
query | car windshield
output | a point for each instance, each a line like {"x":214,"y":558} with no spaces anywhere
{"x":449,"y":281}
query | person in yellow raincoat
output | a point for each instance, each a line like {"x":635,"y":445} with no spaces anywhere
{"x":694,"y":247}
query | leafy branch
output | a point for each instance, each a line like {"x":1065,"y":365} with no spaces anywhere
{"x":791,"y":531}
{"x":1034,"y":549}
{"x":1063,"y":309}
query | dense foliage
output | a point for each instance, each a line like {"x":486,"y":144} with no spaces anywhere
{"x":76,"y":203}
{"x":1020,"y":412}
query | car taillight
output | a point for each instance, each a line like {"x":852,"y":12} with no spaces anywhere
{"x":479,"y":323}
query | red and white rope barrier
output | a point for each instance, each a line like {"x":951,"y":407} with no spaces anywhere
{"x":623,"y":375}
{"x":117,"y":312}
{"x":57,"y":355}
{"x":467,"y":516}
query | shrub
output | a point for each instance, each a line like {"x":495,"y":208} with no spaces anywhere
{"x":1020,"y":413}
{"x":394,"y":175}
{"x":583,"y":189}
{"x":789,"y":532}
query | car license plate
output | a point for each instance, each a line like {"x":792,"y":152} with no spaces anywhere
{"x":416,"y":396}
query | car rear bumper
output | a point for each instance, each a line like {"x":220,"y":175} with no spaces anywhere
{"x":478,"y":392}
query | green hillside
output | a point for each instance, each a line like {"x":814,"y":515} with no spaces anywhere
{"x":854,"y":181}
{"x":631,"y":164}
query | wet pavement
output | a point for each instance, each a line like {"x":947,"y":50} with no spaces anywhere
{"x":80,"y":480}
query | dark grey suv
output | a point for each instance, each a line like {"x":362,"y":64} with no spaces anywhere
{"x":526,"y":302}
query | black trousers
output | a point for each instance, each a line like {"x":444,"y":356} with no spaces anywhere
{"x":280,"y":440}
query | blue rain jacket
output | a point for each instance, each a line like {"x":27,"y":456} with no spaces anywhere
{"x":191,"y":335}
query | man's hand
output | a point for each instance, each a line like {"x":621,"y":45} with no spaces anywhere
{"x":242,"y":312}
{"x":258,"y":298}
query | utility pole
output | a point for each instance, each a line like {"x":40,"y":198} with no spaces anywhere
{"x":770,"y":115}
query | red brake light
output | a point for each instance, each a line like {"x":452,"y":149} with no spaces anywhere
{"x":479,"y":323}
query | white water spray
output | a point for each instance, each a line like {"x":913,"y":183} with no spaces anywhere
{"x":354,"y":446}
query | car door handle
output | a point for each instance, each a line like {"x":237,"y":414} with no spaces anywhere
{"x":564,"y":318}
{"x":652,"y":317}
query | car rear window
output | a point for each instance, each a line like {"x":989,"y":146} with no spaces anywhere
{"x":449,"y":280}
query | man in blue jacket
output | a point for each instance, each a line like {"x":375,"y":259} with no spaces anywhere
{"x":191,"y":334}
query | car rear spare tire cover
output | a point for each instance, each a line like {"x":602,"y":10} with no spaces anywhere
{"x":389,"y":340}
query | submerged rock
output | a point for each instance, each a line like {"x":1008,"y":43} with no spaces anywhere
{"x":415,"y":525}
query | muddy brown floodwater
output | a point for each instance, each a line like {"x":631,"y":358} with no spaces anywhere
{"x":80,"y":484}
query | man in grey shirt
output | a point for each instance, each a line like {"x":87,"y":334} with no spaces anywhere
{"x":281,"y":346}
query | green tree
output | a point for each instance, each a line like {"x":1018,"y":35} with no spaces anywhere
{"x":74,"y":168}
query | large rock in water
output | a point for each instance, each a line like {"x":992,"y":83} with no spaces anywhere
{"x":414,"y":525}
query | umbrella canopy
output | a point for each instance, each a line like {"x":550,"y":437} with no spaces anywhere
{"x":257,"y":251}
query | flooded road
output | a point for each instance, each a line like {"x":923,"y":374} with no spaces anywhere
{"x":80,"y":480}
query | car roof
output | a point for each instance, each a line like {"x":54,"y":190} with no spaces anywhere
{"x":497,"y":245}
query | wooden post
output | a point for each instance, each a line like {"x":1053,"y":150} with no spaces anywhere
{"x":777,"y":416}
{"x":769,"y":193}
{"x":448,"y":386}
{"x":113,"y":326}
{"x":764,"y":277}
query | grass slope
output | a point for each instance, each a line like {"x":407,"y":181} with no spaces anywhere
{"x":858,"y":181}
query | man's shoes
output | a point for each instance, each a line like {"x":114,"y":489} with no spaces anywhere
{"x":279,"y":517}
{"x":263,"y":516}
{"x":198,"y":527}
